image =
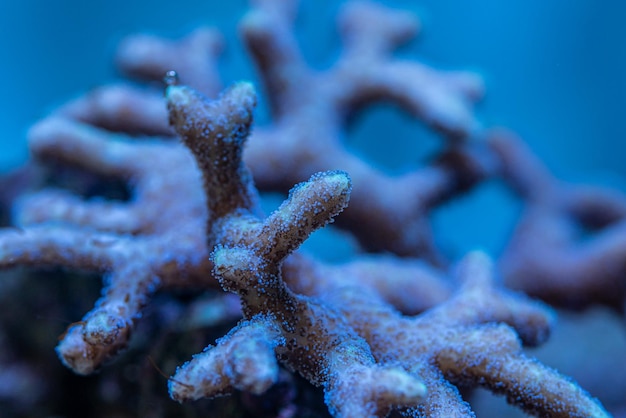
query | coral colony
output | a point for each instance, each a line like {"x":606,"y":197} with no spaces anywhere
{"x":398,"y":329}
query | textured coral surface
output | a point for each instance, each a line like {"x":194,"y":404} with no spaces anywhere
{"x":159,"y":194}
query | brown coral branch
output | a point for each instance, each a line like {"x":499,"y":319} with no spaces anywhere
{"x":192,"y":57}
{"x":244,"y":358}
{"x":569,"y":247}
{"x":317,"y":343}
{"x":312,"y":107}
{"x":367,"y":356}
{"x":466,"y":340}
{"x":154,"y":240}
{"x":121,"y":108}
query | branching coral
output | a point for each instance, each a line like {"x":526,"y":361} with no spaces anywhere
{"x":155,"y":240}
{"x":310,"y":109}
{"x":465,"y":340}
{"x":308,"y":335}
{"x":367,"y":356}
{"x":377,"y":333}
{"x":571,"y":239}
{"x":141,"y":245}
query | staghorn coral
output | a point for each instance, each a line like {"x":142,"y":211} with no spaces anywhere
{"x":309,"y":336}
{"x":345,"y":327}
{"x":316,"y":335}
{"x":310,"y":109}
{"x":570,"y":240}
{"x":155,"y":240}
{"x":139,"y":245}
{"x":391,"y":213}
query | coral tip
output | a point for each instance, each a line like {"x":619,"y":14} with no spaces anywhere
{"x":171,"y":78}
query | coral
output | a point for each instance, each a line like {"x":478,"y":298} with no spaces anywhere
{"x":141,"y":246}
{"x":570,"y":240}
{"x":463,"y":338}
{"x":391,"y":213}
{"x":310,"y":109}
{"x":155,"y":240}
{"x":397,"y":328}
{"x":309,"y":336}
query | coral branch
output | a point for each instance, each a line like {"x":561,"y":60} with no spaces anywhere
{"x":214,"y":132}
{"x":466,"y":340}
{"x":311,"y":108}
{"x":569,"y":248}
{"x":244,"y":357}
{"x":193,"y":58}
{"x":343,"y":341}
{"x":166,"y":248}
{"x":317,"y":342}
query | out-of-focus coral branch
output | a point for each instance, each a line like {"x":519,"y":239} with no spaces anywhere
{"x":569,"y":247}
{"x":245,"y":358}
{"x":465,"y":341}
{"x":133,"y":110}
{"x":144,"y":56}
{"x":121,"y":108}
{"x":141,"y":245}
{"x":310,"y":109}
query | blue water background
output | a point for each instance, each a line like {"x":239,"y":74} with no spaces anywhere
{"x":554,"y":71}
